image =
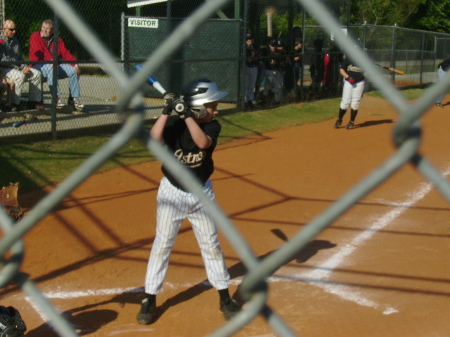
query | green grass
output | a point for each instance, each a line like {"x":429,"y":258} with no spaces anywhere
{"x":409,"y":94}
{"x":40,"y":164}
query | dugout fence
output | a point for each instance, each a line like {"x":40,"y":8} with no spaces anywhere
{"x":216,"y":50}
{"x":130,"y":105}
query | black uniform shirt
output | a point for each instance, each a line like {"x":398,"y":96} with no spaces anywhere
{"x":179,"y":141}
{"x":352,"y":70}
{"x":252,"y":56}
{"x":445,"y":65}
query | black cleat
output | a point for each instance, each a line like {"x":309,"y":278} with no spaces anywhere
{"x":147,"y":311}
{"x":338,"y":123}
{"x":350,"y":125}
{"x":229,"y":308}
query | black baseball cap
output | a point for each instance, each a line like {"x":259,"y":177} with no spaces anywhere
{"x":249,"y":37}
{"x":273,"y":42}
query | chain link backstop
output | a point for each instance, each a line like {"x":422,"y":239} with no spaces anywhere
{"x":216,"y":49}
{"x":130,"y":104}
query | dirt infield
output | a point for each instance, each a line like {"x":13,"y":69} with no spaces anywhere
{"x":382,"y":269}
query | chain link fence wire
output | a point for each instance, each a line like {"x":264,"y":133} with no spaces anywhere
{"x":130,"y":109}
{"x":218,"y":49}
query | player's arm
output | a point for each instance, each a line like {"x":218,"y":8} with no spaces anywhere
{"x":347,"y":76}
{"x":157,"y":131}
{"x":158,"y":128}
{"x":201,"y":139}
{"x":343,"y":73}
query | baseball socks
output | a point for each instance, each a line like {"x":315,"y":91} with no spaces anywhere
{"x":228,"y":306}
{"x":352,"y":119}
{"x":147,"y":312}
{"x":339,"y":120}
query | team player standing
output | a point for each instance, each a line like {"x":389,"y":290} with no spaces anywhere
{"x":352,"y":92}
{"x":192,"y":138}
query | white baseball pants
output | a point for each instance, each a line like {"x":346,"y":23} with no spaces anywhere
{"x":352,"y":94}
{"x":13,"y":75}
{"x":175,"y":205}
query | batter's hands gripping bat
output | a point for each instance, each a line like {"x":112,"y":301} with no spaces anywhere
{"x":400,"y":72}
{"x":179,"y":106}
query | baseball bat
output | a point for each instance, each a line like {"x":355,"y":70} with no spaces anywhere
{"x":179,"y":107}
{"x":19,"y":124}
{"x":153,"y":81}
{"x":400,"y":72}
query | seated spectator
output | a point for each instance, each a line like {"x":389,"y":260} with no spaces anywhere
{"x":3,"y":88}
{"x":41,"y":49}
{"x":16,"y":74}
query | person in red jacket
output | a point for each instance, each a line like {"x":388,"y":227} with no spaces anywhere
{"x":41,"y":49}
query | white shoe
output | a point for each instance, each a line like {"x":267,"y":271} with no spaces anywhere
{"x":77,"y":104}
{"x":59,"y":104}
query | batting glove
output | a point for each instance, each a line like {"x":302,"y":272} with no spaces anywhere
{"x":168,"y":103}
{"x":181,"y":108}
{"x":351,"y":80}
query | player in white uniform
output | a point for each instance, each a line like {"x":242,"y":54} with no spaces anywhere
{"x":352,"y":92}
{"x":192,"y":137}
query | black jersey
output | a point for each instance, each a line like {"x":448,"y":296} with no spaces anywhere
{"x":353,"y":70}
{"x":179,"y":141}
{"x":252,"y":54}
{"x":445,"y":65}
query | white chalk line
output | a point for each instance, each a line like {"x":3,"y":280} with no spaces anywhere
{"x":321,"y":273}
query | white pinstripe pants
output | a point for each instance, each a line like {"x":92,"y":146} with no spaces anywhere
{"x":174,"y":206}
{"x":13,"y":75}
{"x":352,"y":94}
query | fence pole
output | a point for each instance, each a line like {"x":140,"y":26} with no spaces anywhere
{"x":122,"y":36}
{"x":421,"y":59}
{"x":394,"y":51}
{"x":435,"y":52}
{"x":302,"y":66}
{"x":54,"y":88}
{"x":241,"y":92}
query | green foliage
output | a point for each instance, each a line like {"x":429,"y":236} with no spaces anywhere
{"x":420,"y":14}
{"x":383,"y":12}
{"x":281,"y":23}
{"x":432,"y":16}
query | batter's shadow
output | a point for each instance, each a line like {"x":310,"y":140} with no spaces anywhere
{"x":88,"y":320}
{"x":239,"y":270}
{"x":84,"y":323}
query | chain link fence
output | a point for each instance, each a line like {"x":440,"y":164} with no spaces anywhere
{"x":217,"y":51}
{"x":130,"y":104}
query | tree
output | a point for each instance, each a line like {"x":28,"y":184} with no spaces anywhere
{"x":383,"y":12}
{"x":432,"y":15}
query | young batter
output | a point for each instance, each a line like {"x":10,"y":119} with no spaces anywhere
{"x":192,"y":138}
{"x":352,"y":92}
